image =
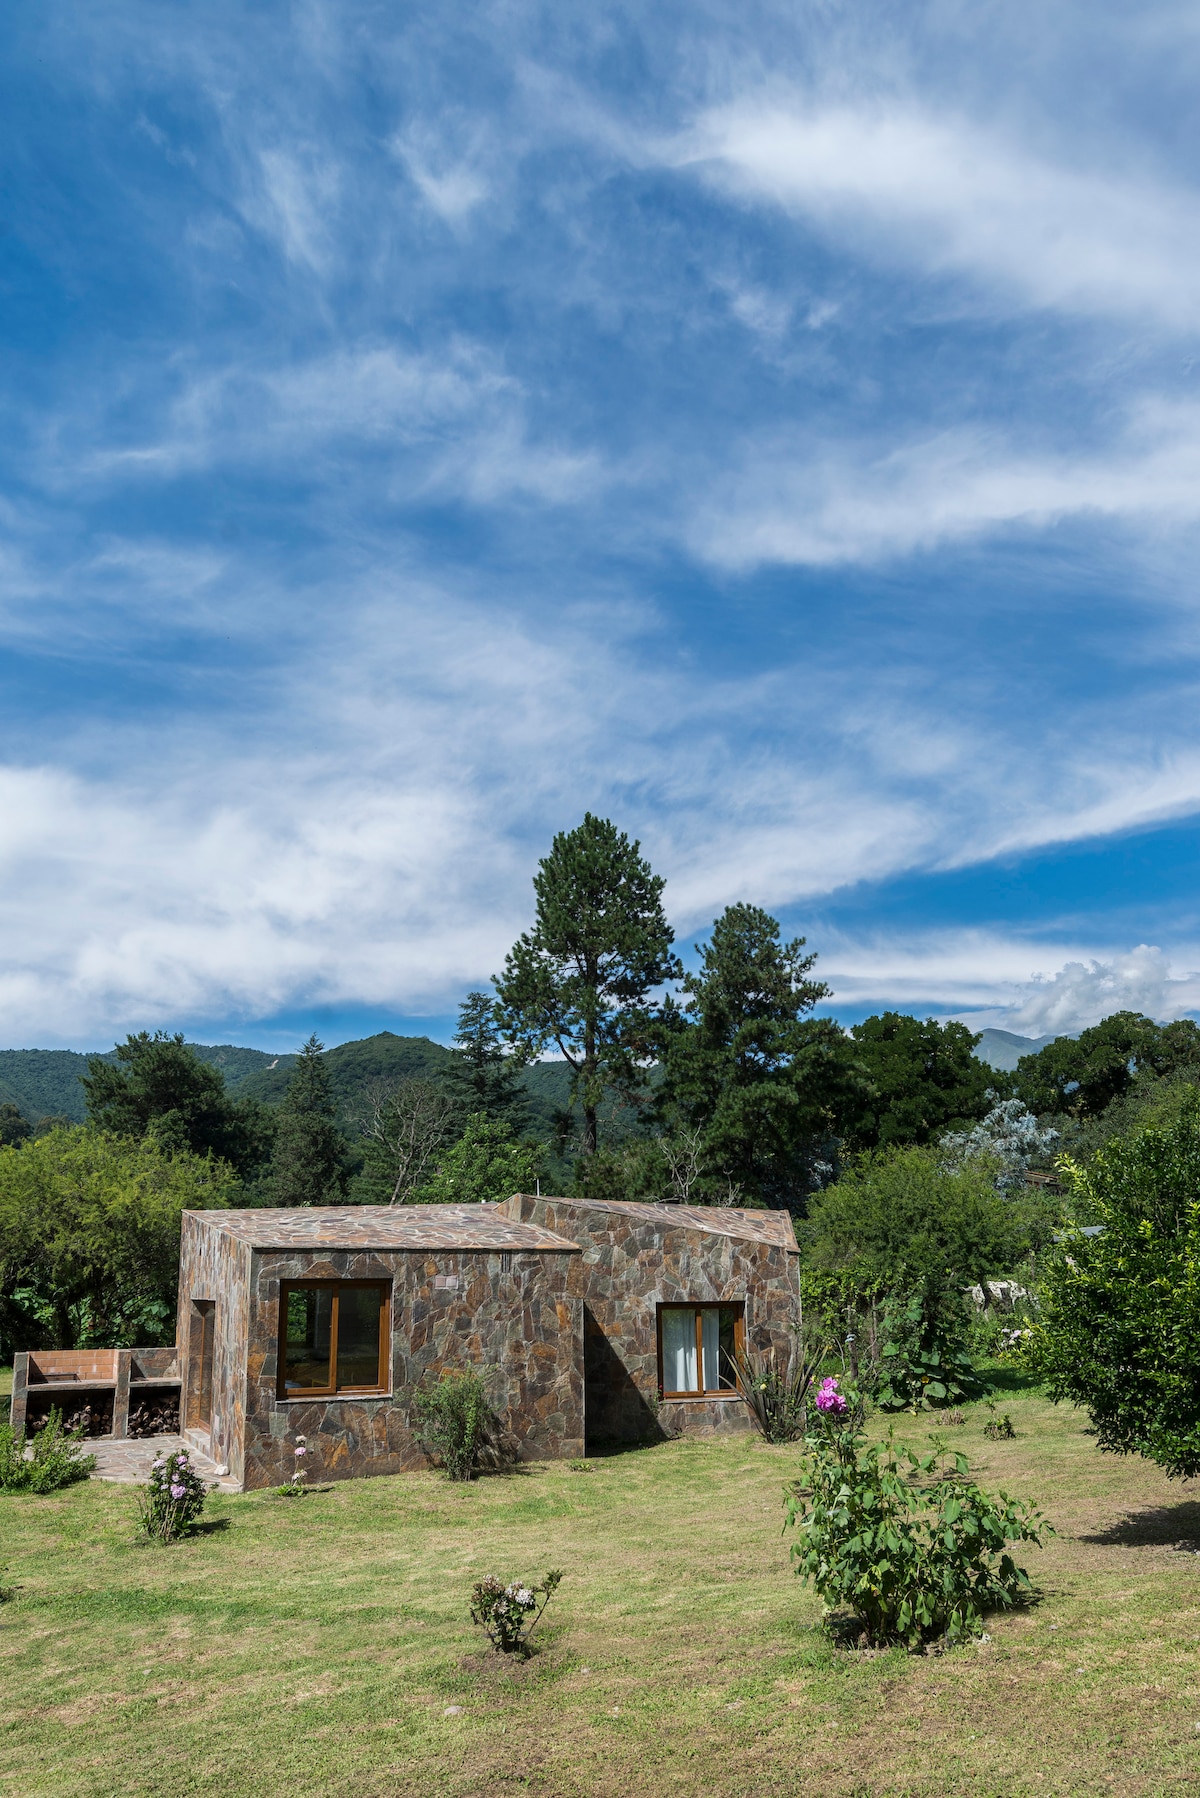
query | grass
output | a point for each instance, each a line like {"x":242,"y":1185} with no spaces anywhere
{"x":323,"y":1647}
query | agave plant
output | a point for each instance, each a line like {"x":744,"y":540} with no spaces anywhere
{"x":777,"y":1391}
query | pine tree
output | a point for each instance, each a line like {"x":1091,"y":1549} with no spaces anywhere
{"x":482,"y":1080}
{"x":581,"y":978}
{"x":308,"y":1166}
{"x":763,"y":1083}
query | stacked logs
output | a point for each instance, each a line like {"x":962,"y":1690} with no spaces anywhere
{"x":94,"y":1419}
{"x":158,"y":1416}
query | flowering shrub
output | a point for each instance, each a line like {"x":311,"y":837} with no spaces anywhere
{"x":830,"y":1402}
{"x":914,"y":1549}
{"x":508,"y":1614}
{"x":55,"y":1459}
{"x":173,"y":1498}
{"x":295,"y":1488}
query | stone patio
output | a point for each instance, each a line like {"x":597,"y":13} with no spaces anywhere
{"x":127,"y":1462}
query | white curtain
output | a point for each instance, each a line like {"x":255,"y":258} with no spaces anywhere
{"x":679,"y":1351}
{"x":710,"y":1327}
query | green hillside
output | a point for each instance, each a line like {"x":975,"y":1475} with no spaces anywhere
{"x":45,"y":1082}
{"x":353,"y":1069}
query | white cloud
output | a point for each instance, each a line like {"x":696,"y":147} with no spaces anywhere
{"x":789,"y":502}
{"x":949,"y":196}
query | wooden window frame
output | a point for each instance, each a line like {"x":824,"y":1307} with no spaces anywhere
{"x":384,"y":1386}
{"x":738,"y":1306}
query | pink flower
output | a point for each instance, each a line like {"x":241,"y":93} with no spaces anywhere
{"x":301,"y":1451}
{"x":830,"y":1400}
{"x":178,"y":1491}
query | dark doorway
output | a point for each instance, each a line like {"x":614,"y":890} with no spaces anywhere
{"x":204,"y":1318}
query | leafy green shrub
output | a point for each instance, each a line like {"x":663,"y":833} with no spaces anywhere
{"x":999,"y":1429}
{"x":925,"y":1359}
{"x":913,"y":1549}
{"x":1119,"y":1326}
{"x":777,"y":1393}
{"x":55,"y":1459}
{"x":509,"y":1614}
{"x":170,"y":1504}
{"x":454,"y":1424}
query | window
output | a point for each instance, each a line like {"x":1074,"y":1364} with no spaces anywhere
{"x":696,"y":1346}
{"x":334,"y":1336}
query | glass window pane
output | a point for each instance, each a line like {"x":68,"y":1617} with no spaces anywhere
{"x":307,"y":1340}
{"x":679,"y":1351}
{"x":710,"y":1330}
{"x":728,"y":1373}
{"x":358,"y":1335}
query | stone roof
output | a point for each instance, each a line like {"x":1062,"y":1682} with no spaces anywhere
{"x":773,"y":1227}
{"x":383,"y":1227}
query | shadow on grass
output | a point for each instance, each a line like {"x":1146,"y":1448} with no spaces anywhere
{"x":1002,"y":1376}
{"x":210,"y":1526}
{"x":1161,"y":1526}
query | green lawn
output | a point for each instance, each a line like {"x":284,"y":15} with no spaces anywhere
{"x":317,"y":1648}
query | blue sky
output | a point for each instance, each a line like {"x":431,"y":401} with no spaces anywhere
{"x":774,"y":426}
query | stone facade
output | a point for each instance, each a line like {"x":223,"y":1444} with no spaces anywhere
{"x":634,"y":1259}
{"x":557,"y":1301}
{"x":469,"y":1287}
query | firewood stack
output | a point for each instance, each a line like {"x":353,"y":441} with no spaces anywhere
{"x":155,"y":1416}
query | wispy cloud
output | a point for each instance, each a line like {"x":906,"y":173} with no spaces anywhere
{"x":951,"y":197}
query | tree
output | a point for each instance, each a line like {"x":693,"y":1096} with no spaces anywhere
{"x":899,"y":1216}
{"x":926,"y":1076}
{"x":486,"y":1164}
{"x":14,"y":1126}
{"x":309,"y":1164}
{"x":481,"y":1078}
{"x":158,"y":1083}
{"x":1085,"y":1074}
{"x":89,"y":1236}
{"x":764,"y":1084}
{"x":1119,"y":1324}
{"x":580,"y":979}
{"x":404,"y":1128}
{"x":1009,"y":1137}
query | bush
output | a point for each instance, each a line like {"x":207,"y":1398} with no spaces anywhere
{"x":509,"y":1614}
{"x":913,"y":1549}
{"x":925,"y":1358}
{"x":1118,"y":1329}
{"x":170,"y":1504}
{"x":454,"y":1424}
{"x":56,"y":1459}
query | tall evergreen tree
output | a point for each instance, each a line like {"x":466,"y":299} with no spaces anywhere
{"x":309,"y":1164}
{"x":581,"y":978}
{"x":764,"y":1084}
{"x":482,"y":1080}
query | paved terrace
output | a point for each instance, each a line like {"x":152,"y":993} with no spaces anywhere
{"x":127,"y":1463}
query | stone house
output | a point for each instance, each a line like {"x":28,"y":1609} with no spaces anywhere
{"x":590,"y":1321}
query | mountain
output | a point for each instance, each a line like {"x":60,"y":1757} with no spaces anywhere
{"x":45,"y":1082}
{"x":1003,"y":1049}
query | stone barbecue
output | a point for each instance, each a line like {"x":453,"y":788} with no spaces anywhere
{"x":589,"y":1320}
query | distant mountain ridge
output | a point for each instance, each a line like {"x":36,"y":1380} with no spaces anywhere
{"x":1003,"y":1049}
{"x":45,"y":1082}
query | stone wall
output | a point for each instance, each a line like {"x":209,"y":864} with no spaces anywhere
{"x":514,"y":1316}
{"x":214,"y":1265}
{"x":637,"y":1257}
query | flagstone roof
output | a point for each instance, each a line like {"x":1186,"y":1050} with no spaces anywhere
{"x":771,"y":1227}
{"x":383,"y":1227}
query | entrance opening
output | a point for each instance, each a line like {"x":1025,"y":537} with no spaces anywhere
{"x":204,"y":1318}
